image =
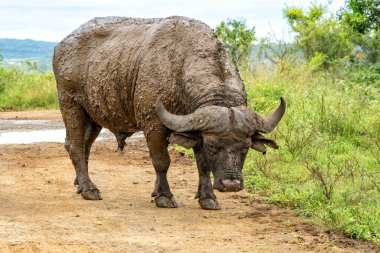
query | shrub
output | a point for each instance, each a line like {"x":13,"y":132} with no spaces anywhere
{"x":25,"y":90}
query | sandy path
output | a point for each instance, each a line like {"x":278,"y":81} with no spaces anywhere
{"x":40,"y":212}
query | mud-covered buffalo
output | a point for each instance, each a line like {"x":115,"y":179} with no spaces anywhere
{"x":170,"y":78}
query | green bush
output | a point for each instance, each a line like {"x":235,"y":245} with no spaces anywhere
{"x":20,"y":89}
{"x":368,"y":76}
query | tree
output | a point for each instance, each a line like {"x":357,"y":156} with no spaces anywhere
{"x":317,"y":35}
{"x":236,"y":38}
{"x":361,"y":16}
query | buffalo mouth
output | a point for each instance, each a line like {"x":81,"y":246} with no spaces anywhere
{"x":228,"y":185}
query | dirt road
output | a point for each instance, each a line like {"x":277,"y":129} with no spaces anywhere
{"x":40,"y":212}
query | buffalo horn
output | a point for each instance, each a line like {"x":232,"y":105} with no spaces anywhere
{"x":267,"y":124}
{"x":209,"y":118}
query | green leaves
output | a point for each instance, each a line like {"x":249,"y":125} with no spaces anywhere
{"x":361,"y":16}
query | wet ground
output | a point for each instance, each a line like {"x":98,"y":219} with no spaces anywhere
{"x":22,"y":130}
{"x":40,"y":211}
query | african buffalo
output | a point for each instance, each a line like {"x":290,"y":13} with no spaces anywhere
{"x":170,"y":78}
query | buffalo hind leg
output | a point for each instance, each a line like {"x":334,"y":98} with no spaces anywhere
{"x":158,"y":149}
{"x":92,"y":131}
{"x":205,"y":194}
{"x":81,"y":132}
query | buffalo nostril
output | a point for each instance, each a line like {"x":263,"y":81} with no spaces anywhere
{"x":231,"y":185}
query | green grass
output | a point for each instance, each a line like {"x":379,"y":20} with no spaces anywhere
{"x":328,"y":164}
{"x":21,"y":89}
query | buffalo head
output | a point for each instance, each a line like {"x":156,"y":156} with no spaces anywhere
{"x":222,"y":136}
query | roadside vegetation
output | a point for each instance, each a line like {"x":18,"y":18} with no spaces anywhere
{"x":328,"y":164}
{"x":27,"y":88}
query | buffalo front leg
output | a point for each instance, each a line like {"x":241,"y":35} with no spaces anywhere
{"x":80,"y":134}
{"x":158,"y":149}
{"x":205,"y":194}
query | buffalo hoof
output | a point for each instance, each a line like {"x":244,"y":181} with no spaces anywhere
{"x":209,"y":204}
{"x":89,"y":192}
{"x":165,"y":202}
{"x":93,"y":194}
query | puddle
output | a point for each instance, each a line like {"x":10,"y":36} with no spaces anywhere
{"x":30,"y":122}
{"x":10,"y":125}
{"x":56,"y":135}
{"x":31,"y":131}
{"x":33,"y":136}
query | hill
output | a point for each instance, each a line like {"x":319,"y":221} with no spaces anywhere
{"x":16,"y":52}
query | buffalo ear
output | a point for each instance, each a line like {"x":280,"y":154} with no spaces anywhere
{"x":185,"y":140}
{"x":258,"y":146}
{"x":259,"y":142}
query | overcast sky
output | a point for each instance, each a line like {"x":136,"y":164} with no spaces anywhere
{"x":53,"y":20}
